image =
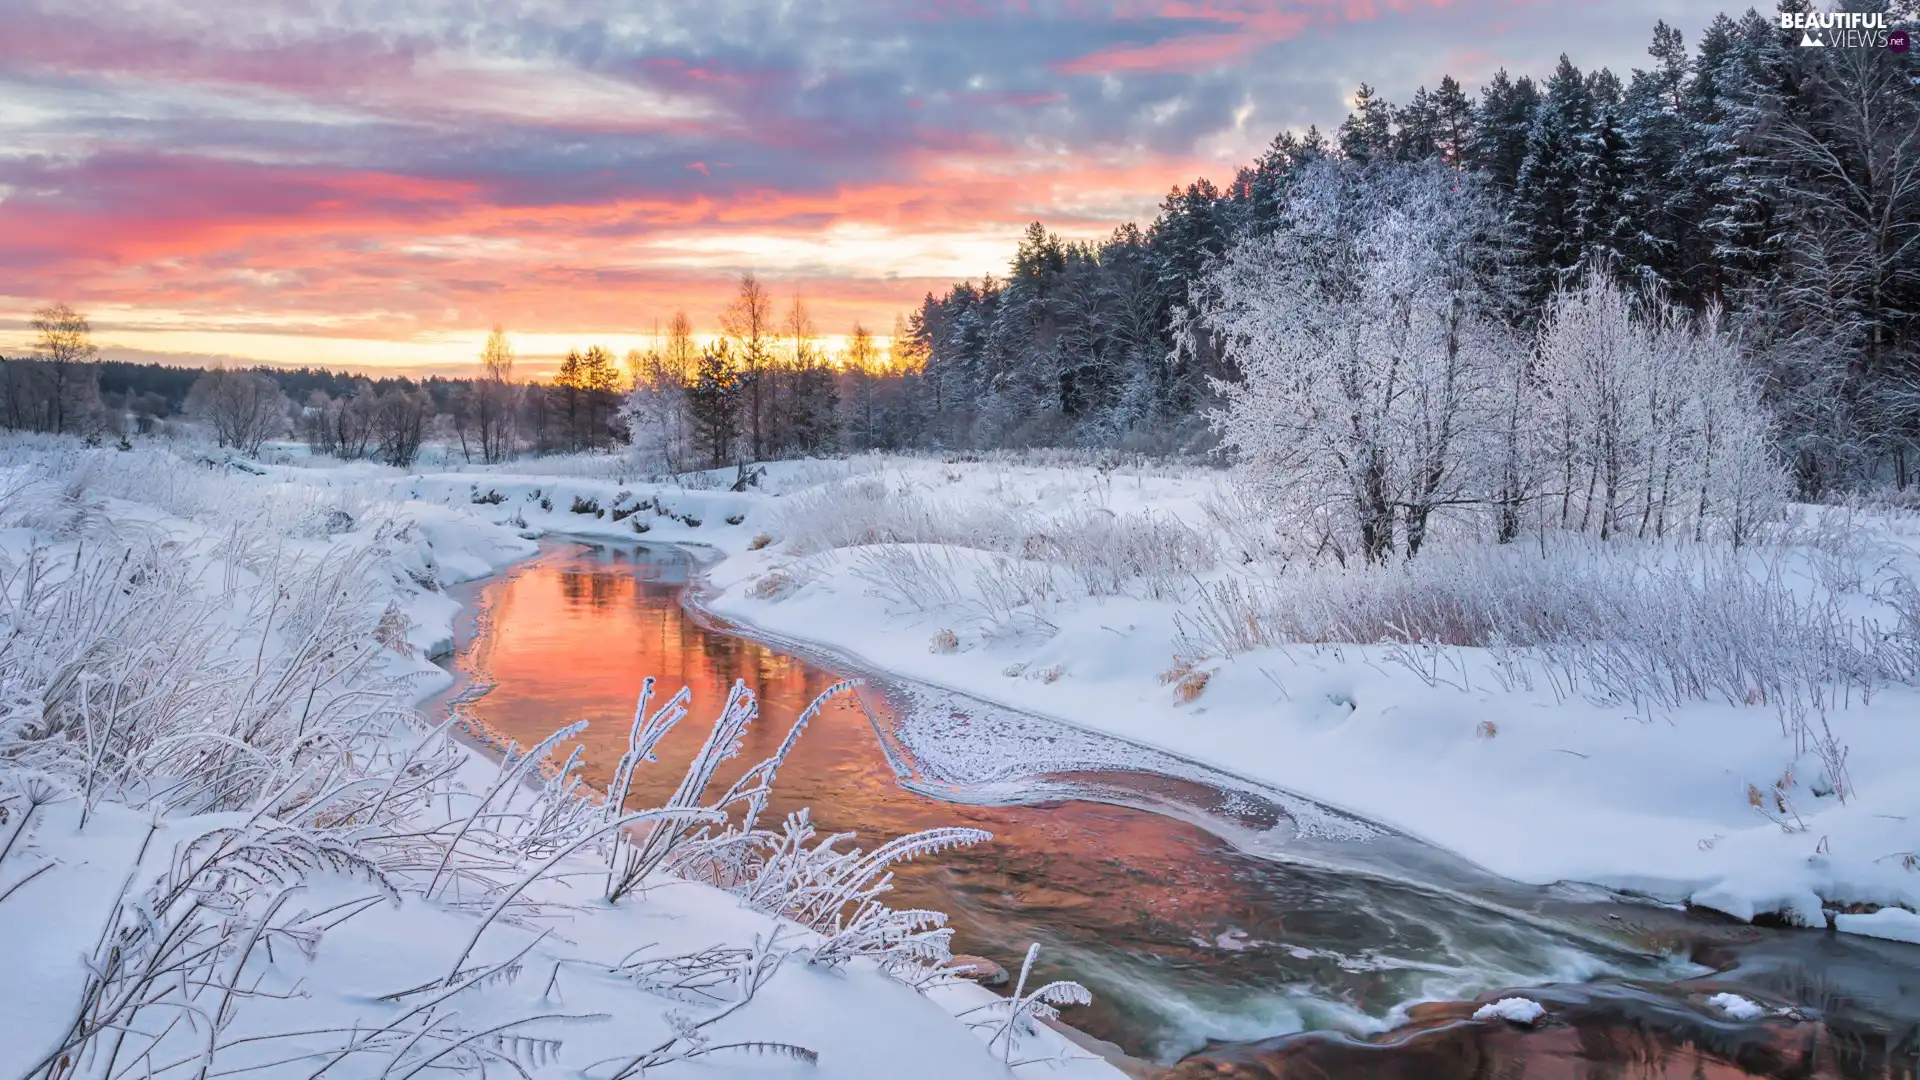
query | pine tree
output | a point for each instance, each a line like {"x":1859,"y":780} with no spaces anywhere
{"x":714,"y":404}
{"x":569,"y":393}
{"x":1367,"y":132}
{"x":1191,"y":232}
{"x":599,"y":376}
{"x":1453,"y":123}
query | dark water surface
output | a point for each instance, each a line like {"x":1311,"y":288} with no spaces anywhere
{"x":1186,"y":941}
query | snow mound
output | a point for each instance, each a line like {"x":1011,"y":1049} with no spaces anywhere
{"x":1893,"y":924}
{"x":1514,"y":1010}
{"x":1737,"y":1007}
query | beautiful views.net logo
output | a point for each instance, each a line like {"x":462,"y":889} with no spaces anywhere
{"x":1844,"y":29}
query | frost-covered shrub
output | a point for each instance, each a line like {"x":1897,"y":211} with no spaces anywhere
{"x":921,"y":578}
{"x":1150,"y":555}
{"x":132,"y":677}
{"x":997,"y":595}
{"x":1014,"y":597}
{"x":1647,"y":626}
{"x":1014,"y":1017}
{"x":868,"y":510}
{"x":774,"y":585}
{"x":1108,"y":554}
{"x":832,"y":890}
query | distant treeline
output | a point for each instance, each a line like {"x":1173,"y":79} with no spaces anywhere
{"x":147,"y":393}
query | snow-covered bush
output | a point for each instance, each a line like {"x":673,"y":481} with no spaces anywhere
{"x":1648,"y":626}
{"x":1112,"y":554}
{"x":871,"y":510}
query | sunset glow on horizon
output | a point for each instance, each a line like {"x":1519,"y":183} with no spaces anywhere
{"x":374,"y":186}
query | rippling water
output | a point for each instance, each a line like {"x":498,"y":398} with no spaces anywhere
{"x":1185,"y":939}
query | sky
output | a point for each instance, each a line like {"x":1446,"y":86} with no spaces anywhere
{"x":374,"y":183}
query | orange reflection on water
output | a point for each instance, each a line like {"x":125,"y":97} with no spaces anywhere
{"x":1168,"y":925}
{"x":573,"y":636}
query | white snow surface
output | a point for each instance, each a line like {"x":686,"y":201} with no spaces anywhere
{"x":420,"y":534}
{"x":1514,"y":1010}
{"x":1737,"y":1007}
{"x":1893,"y":924}
{"x":873,"y":558}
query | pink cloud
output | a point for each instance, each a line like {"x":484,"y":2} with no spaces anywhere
{"x":1190,"y":53}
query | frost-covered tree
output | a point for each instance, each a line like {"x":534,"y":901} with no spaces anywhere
{"x":69,"y":386}
{"x":1366,"y":332}
{"x":1656,"y":423}
{"x":494,"y":403}
{"x":1773,"y":182}
{"x":656,"y":412}
{"x":244,"y":408}
{"x":399,"y":426}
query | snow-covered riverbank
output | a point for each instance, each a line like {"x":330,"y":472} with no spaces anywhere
{"x":1678,"y":724}
{"x":229,"y":844}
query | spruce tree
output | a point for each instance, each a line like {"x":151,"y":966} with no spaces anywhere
{"x":1501,"y":126}
{"x":1544,"y":208}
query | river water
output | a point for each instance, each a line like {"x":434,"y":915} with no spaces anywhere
{"x":1202,"y":911}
